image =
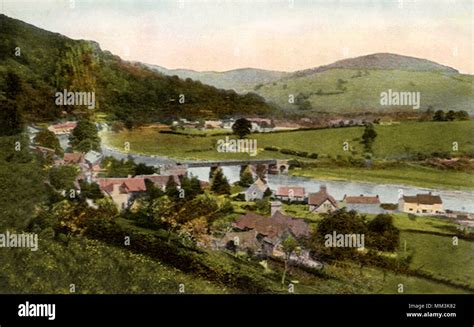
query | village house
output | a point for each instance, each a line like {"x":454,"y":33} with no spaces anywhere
{"x":285,"y":126}
{"x":74,"y":158}
{"x":160,"y":181}
{"x":227,"y":123}
{"x":290,"y":193}
{"x":256,"y":191}
{"x":178,"y":170}
{"x":261,"y":124}
{"x":321,"y":202}
{"x":421,"y":204}
{"x":63,"y":128}
{"x":44,"y":152}
{"x":122,"y":190}
{"x":260,"y":235}
{"x":93,"y":160}
{"x":212,"y":124}
{"x":363,"y":204}
{"x":32,"y":131}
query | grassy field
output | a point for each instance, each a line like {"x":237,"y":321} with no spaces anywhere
{"x":416,"y":175}
{"x":437,"y":256}
{"x":393,"y":141}
{"x":95,"y":268}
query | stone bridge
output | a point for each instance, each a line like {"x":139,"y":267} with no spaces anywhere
{"x":273,"y":166}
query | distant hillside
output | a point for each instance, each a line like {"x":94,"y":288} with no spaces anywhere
{"x":241,"y":80}
{"x":355,"y":85}
{"x":50,"y":62}
{"x":383,"y":61}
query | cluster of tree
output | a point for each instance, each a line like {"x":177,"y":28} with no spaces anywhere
{"x":242,"y":127}
{"x":22,"y":180}
{"x":130,"y":92}
{"x":219,"y":183}
{"x":451,"y":115}
{"x":85,"y":137}
{"x":368,"y":137}
{"x":125,"y":168}
{"x":246,"y":176}
{"x":49,"y":140}
{"x":10,"y":117}
{"x":379,"y":233}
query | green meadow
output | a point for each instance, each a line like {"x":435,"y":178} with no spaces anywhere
{"x":392,"y":142}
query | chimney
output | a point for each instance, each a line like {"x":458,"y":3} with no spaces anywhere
{"x":323,"y":188}
{"x":362,"y":195}
{"x":274,"y":207}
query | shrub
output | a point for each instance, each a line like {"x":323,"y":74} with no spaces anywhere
{"x":271,"y":148}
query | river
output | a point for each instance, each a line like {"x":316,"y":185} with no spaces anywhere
{"x":388,"y":193}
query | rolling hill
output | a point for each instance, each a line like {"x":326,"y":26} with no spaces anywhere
{"x":349,"y":85}
{"x":35,"y":64}
{"x":347,"y":90}
{"x":241,"y":80}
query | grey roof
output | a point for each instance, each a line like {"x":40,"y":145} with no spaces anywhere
{"x":93,"y":156}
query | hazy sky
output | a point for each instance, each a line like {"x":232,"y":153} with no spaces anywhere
{"x":270,"y":34}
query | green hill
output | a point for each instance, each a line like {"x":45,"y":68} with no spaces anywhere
{"x":345,"y":90}
{"x":41,"y":63}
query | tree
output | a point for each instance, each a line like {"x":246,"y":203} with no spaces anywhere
{"x":261,"y":172}
{"x":341,"y":222}
{"x":90,"y":190}
{"x":219,"y":183}
{"x":305,"y":105}
{"x":246,"y":176}
{"x":14,"y":85}
{"x":10,"y":119}
{"x":152,"y":191}
{"x":242,"y":127}
{"x":191,"y":187}
{"x":63,"y":177}
{"x":164,"y":214}
{"x":439,"y":116}
{"x":172,"y":189}
{"x":382,"y":234}
{"x":290,"y":246}
{"x":451,"y":115}
{"x":462,"y":115}
{"x":47,"y":139}
{"x":143,"y":169}
{"x":368,"y":137}
{"x":85,"y":136}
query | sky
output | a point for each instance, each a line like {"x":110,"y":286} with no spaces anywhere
{"x":285,"y":35}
